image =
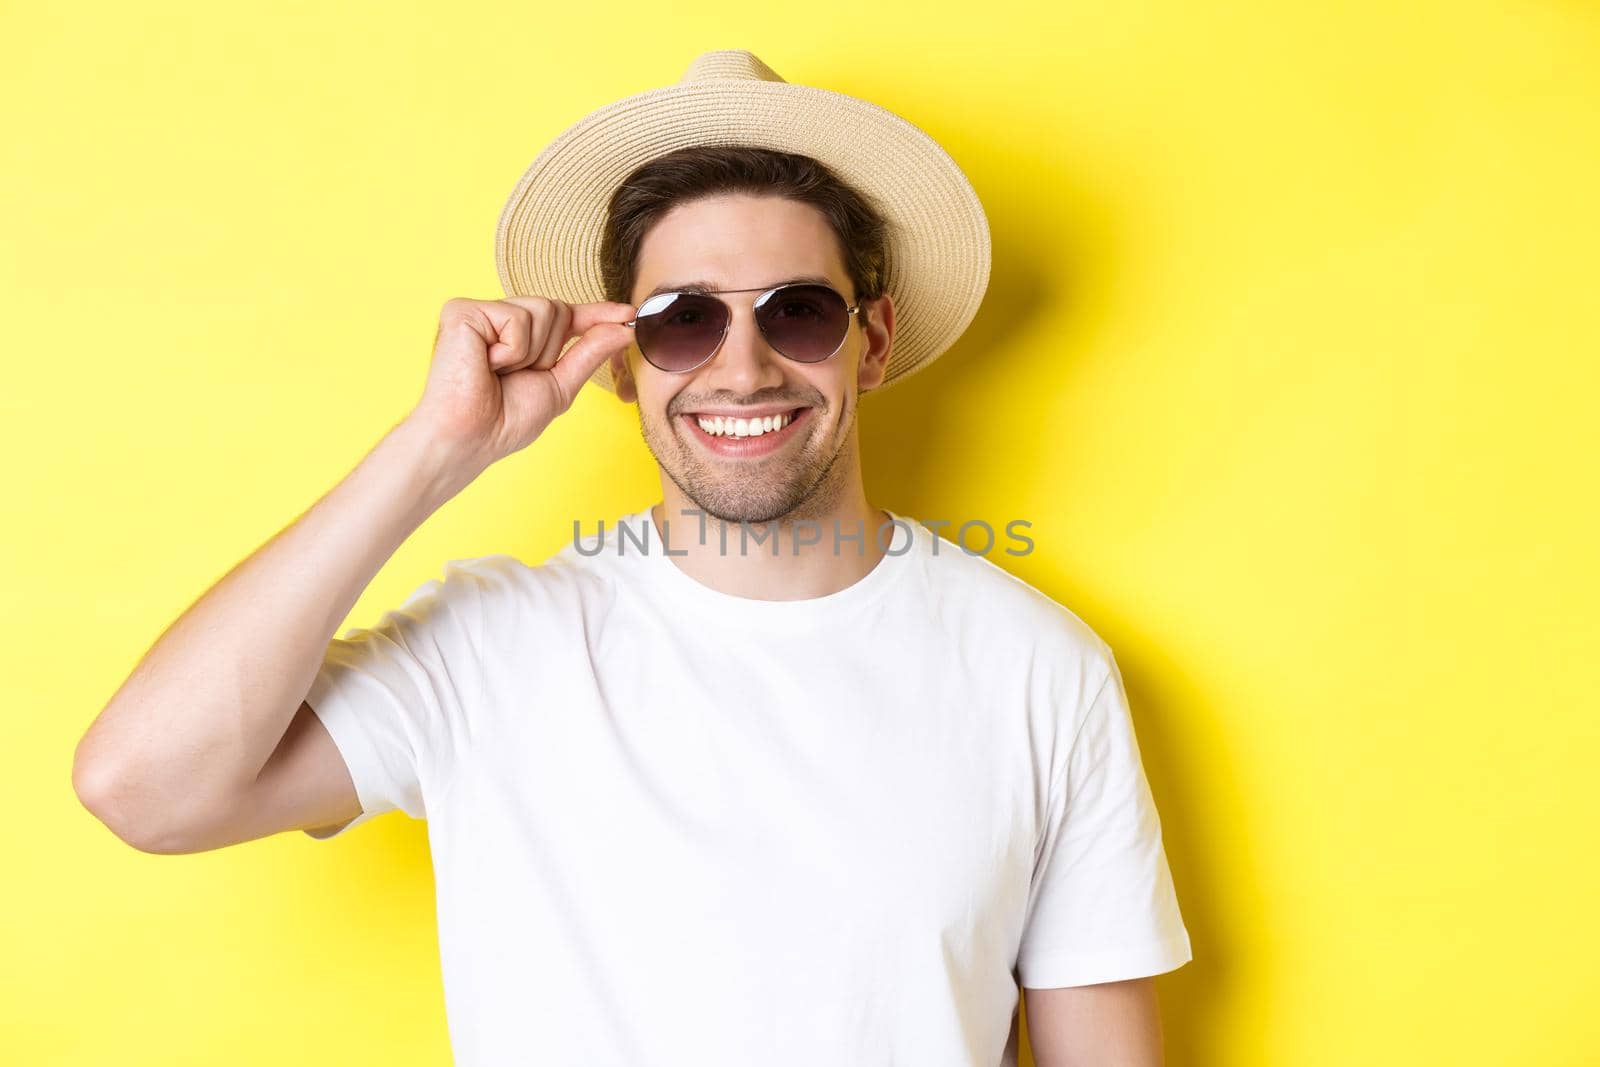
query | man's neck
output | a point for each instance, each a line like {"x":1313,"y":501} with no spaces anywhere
{"x":806,"y":558}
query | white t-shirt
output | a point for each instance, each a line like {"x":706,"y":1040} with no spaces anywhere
{"x":674,"y":826}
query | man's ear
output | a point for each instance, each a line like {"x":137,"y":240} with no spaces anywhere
{"x":879,"y":333}
{"x":622,"y":377}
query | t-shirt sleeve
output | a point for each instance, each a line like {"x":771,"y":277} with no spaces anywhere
{"x":1102,"y":907}
{"x":396,"y":697}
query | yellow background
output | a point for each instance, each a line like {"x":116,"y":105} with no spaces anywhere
{"x":1289,"y":355}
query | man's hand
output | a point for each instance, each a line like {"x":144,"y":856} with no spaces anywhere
{"x":499,"y":374}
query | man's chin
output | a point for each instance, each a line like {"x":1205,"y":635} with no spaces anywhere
{"x":735,"y":502}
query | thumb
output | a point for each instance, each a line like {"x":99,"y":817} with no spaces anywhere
{"x":578,"y":363}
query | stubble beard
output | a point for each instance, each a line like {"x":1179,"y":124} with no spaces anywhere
{"x":793,"y":484}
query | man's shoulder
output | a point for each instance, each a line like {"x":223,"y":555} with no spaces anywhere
{"x":982,"y":596}
{"x":509,"y":582}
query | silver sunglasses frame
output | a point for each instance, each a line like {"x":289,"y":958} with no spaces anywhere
{"x":756,"y":303}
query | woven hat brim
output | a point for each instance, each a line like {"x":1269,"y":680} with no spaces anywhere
{"x":548,"y":237}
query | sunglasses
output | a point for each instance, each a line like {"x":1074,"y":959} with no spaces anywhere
{"x":680,"y":331}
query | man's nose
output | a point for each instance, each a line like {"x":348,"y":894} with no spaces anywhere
{"x":745,"y":362}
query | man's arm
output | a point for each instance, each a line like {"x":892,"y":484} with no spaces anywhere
{"x":208,"y":742}
{"x":1109,"y":1024}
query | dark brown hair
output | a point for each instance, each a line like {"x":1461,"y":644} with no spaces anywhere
{"x":699,"y":171}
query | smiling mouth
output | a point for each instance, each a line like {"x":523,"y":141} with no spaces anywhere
{"x":733,"y":427}
{"x":733,"y":436}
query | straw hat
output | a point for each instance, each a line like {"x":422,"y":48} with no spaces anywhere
{"x":548,"y":239}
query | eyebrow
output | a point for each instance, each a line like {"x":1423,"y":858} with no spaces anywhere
{"x":706,"y":287}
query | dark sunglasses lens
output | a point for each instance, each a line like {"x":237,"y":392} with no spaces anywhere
{"x":677,"y":331}
{"x":807,"y":323}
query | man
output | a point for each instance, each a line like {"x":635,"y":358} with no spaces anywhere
{"x":826,"y":801}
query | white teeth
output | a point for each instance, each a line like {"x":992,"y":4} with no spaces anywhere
{"x":717,"y":426}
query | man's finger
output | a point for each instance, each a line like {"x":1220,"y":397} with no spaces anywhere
{"x":578,"y":363}
{"x":587,"y":315}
